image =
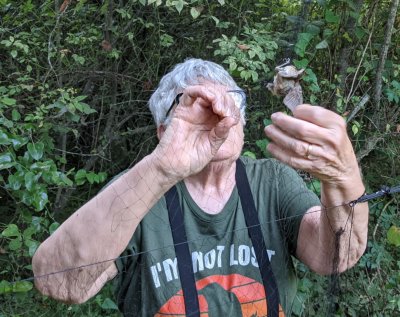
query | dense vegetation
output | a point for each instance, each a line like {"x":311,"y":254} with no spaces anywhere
{"x":75,"y":77}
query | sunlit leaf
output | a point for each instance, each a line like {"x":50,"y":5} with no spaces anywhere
{"x":109,"y":304}
{"x":22,"y":286}
{"x":194,"y":12}
{"x":5,"y":287}
{"x":393,"y":236}
{"x":6,"y":161}
{"x":249,"y":154}
{"x":11,"y":231}
{"x":321,"y":45}
{"x":36,"y":150}
{"x":29,"y":180}
{"x":40,"y":199}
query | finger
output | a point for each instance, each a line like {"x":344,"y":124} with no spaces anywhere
{"x":294,"y":145}
{"x":289,"y":158}
{"x":227,"y":107}
{"x":220,"y":133}
{"x":191,"y":93}
{"x":301,"y":129}
{"x":221,"y":103}
{"x":319,"y":116}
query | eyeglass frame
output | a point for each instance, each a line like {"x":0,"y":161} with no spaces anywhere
{"x":178,"y":97}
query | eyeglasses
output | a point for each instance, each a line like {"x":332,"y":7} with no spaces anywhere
{"x":175,"y":102}
{"x":242,"y":102}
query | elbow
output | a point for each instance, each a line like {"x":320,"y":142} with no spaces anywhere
{"x":346,"y":261}
{"x":52,"y":284}
{"x":353,"y":256}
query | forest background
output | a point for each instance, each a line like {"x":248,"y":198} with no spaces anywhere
{"x":75,"y":77}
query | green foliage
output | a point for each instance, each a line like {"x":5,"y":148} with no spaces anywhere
{"x":248,"y":58}
{"x":73,"y":93}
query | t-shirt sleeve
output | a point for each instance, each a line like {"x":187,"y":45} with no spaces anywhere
{"x":294,"y":200}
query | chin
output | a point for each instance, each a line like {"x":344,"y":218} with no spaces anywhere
{"x":226,"y":155}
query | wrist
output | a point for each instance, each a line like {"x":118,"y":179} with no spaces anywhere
{"x":162,"y":167}
{"x":337,"y":193}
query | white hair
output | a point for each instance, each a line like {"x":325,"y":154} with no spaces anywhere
{"x":191,"y":72}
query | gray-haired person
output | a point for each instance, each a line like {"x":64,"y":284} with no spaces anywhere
{"x":202,"y":229}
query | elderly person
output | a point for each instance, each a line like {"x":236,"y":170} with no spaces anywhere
{"x":203,"y":230}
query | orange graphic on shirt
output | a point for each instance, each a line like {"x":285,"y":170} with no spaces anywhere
{"x":248,"y":293}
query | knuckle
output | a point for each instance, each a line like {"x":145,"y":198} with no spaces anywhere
{"x":292,"y":162}
{"x":305,"y":133}
{"x":342,"y":124}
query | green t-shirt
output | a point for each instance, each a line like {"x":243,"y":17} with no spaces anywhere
{"x":227,"y":276}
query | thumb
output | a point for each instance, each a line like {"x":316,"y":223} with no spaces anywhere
{"x":220,"y":132}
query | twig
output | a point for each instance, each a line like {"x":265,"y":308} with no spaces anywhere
{"x":359,"y":66}
{"x":377,"y":221}
{"x":384,"y":51}
{"x":360,"y":105}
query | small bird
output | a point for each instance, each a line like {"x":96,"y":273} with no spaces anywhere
{"x":287,"y":84}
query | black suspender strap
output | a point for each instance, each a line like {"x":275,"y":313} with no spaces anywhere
{"x":257,"y":239}
{"x":184,"y":259}
{"x":183,"y":254}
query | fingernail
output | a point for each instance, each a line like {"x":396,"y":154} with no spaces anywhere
{"x":274,"y":115}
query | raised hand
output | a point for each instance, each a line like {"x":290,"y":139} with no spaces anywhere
{"x":314,"y":140}
{"x":204,"y":120}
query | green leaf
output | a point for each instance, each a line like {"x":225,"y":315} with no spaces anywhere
{"x":29,"y":178}
{"x":78,"y":59}
{"x":109,"y":304}
{"x":14,"y":53}
{"x":86,"y":108}
{"x":36,"y":150}
{"x":11,"y":231}
{"x":303,"y":63}
{"x":262,"y":144}
{"x":14,"y":182}
{"x":102,"y":177}
{"x":254,"y":76}
{"x":15,"y":115}
{"x":267,"y":122}
{"x":179,"y":5}
{"x":194,"y":13}
{"x":393,"y":236}
{"x":249,"y":154}
{"x":221,"y":2}
{"x":91,"y":177}
{"x":80,"y":98}
{"x":331,"y":17}
{"x":40,"y":199}
{"x":321,"y":45}
{"x":8,"y":101}
{"x":355,"y":128}
{"x":18,"y":141}
{"x":22,"y":286}
{"x":15,"y":244}
{"x":302,"y":43}
{"x":5,"y":287}
{"x":33,"y":247}
{"x":80,"y":177}
{"x":6,"y":161}
{"x":53,"y":227}
{"x":28,"y":232}
{"x":4,"y":139}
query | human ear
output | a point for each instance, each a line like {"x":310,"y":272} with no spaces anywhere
{"x":160,"y":131}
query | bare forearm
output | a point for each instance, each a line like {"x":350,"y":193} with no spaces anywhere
{"x":99,"y":231}
{"x":343,"y":229}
